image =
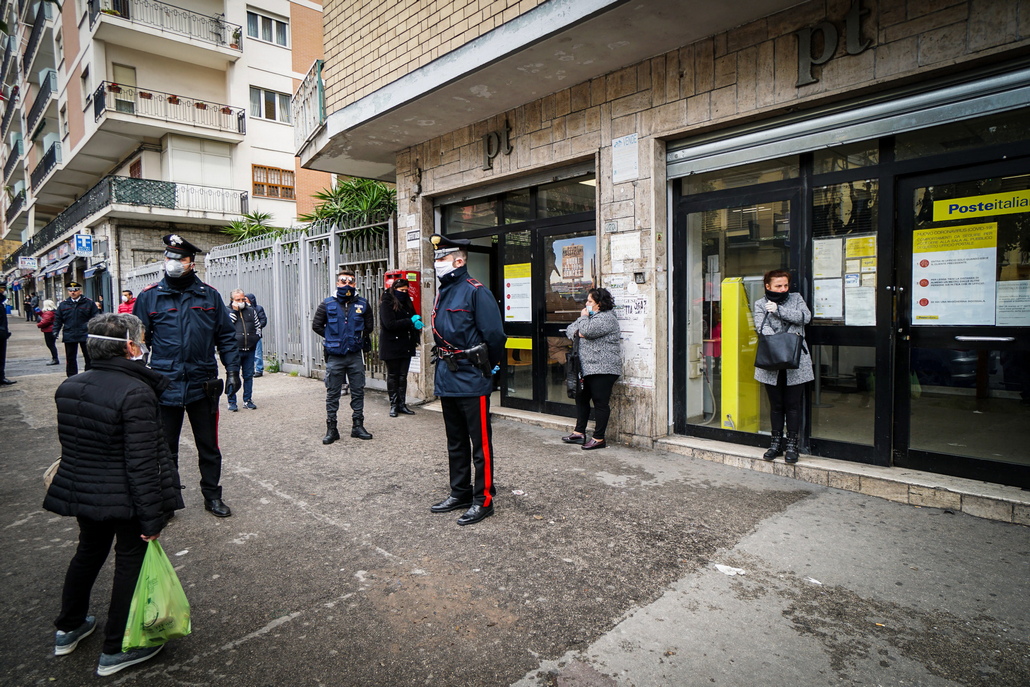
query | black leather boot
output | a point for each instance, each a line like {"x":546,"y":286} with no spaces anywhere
{"x":402,"y":395}
{"x":775,"y":446}
{"x":358,"y":432}
{"x":331,"y":432}
{"x":391,"y":390}
{"x":791,"y":455}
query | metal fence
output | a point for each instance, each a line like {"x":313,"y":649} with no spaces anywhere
{"x":290,"y":275}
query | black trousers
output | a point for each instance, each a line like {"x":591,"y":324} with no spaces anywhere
{"x":596,"y":388}
{"x":785,"y":401}
{"x":94,"y":545}
{"x":3,"y":353}
{"x":71,"y":363}
{"x":470,"y":445}
{"x":204,"y":421}
{"x":51,"y":344}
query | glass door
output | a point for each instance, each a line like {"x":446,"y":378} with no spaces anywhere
{"x":962,"y":380}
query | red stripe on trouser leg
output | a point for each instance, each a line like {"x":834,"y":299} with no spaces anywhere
{"x":484,"y":427}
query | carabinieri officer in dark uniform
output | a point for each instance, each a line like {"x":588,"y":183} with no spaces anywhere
{"x":185,"y":320}
{"x":470,"y":342}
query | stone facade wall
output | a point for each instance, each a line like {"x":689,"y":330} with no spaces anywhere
{"x":738,"y":76}
{"x":370,"y":44}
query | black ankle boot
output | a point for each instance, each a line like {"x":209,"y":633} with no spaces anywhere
{"x":391,"y":391}
{"x":775,"y":446}
{"x":402,"y":396}
{"x":358,"y":432}
{"x":791,"y":455}
{"x":331,"y":432}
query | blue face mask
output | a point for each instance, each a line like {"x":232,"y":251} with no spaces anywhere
{"x":345,"y":292}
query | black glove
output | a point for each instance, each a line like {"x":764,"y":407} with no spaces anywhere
{"x":232,"y":383}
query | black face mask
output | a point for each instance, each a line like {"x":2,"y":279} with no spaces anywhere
{"x":777,"y":297}
{"x":402,"y":296}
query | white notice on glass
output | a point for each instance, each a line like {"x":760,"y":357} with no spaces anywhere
{"x":860,"y":307}
{"x":829,"y":298}
{"x":625,"y":162}
{"x":1013,"y":304}
{"x":827,"y":257}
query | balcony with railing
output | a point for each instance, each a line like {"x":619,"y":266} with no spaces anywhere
{"x":308,"y":106}
{"x":160,"y":28}
{"x":47,"y":93}
{"x":17,"y":205}
{"x":13,"y":159}
{"x":10,"y":111}
{"x":44,"y":14}
{"x":156,"y":108}
{"x":5,"y":68}
{"x":127,"y":196}
{"x":51,"y":158}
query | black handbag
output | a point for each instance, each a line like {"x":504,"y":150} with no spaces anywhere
{"x":573,"y":370}
{"x":780,"y":351}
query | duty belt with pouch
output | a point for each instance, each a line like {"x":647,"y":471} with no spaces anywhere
{"x":213,"y":390}
{"x":478,"y":355}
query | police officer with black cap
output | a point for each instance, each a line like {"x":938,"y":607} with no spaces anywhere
{"x":73,"y":314}
{"x":5,"y":334}
{"x":185,"y":321}
{"x":470,"y":342}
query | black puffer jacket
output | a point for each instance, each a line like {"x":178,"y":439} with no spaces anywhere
{"x":398,"y":336}
{"x":115,"y":462}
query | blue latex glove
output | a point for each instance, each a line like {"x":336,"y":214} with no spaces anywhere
{"x":497,"y":368}
{"x":417,"y":321}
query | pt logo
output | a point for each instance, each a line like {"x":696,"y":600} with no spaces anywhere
{"x":495,"y":143}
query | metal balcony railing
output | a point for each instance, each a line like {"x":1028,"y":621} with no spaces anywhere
{"x":43,"y":14}
{"x":46,"y":165}
{"x":9,"y":112}
{"x":47,"y":91}
{"x":12,"y":160}
{"x":172,"y":19}
{"x":8,"y":60}
{"x":17,"y":203}
{"x":129,"y":191}
{"x":308,"y":106}
{"x":167,"y":107}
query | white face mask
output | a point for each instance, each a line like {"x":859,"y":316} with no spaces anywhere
{"x":174,"y":268}
{"x":125,"y":299}
{"x":239,"y":305}
{"x":443,"y":268}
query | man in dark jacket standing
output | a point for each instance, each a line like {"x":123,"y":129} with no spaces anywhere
{"x":72,"y":315}
{"x":345,"y":321}
{"x":185,"y":321}
{"x":470,"y":343}
{"x":248,"y":336}
{"x":259,"y":351}
{"x":5,"y":334}
{"x":116,"y":477}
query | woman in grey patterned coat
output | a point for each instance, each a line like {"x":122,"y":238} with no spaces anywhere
{"x":600,"y":352}
{"x":780,"y":310}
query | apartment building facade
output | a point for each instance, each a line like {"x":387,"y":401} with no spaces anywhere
{"x":130,"y":119}
{"x":673,"y":152}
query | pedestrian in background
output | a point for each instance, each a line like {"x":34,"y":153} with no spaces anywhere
{"x":73,"y":314}
{"x":780,"y":310}
{"x":185,"y":322}
{"x":345,"y":321}
{"x":116,"y":477}
{"x":128,"y":302}
{"x":33,"y":308}
{"x":259,"y":352}
{"x":46,"y":325}
{"x":248,"y":336}
{"x":600,"y":354}
{"x":400,"y":330}
{"x":5,"y":334}
{"x":470,"y":342}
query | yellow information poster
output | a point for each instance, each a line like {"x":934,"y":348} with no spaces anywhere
{"x":1011,"y":203}
{"x":518,"y":292}
{"x":954,"y":275}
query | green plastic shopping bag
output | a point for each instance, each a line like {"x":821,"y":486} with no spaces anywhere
{"x":159,"y":609}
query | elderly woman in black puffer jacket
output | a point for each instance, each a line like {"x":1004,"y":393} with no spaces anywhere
{"x":116,"y":478}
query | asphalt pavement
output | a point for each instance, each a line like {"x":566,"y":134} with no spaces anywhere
{"x":623,"y":566}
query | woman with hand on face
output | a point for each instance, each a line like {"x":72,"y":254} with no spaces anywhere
{"x":46,"y":325}
{"x":780,"y":310}
{"x":600,"y":353}
{"x":400,"y":332}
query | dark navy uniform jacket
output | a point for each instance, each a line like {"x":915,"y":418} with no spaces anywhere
{"x":346,"y":325}
{"x":72,"y":317}
{"x":183,"y":328}
{"x":465,"y":314}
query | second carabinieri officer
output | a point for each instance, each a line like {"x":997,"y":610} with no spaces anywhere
{"x":470,"y":342}
{"x":185,"y":321}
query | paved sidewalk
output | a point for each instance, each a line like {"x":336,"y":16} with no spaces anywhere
{"x":616,"y":567}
